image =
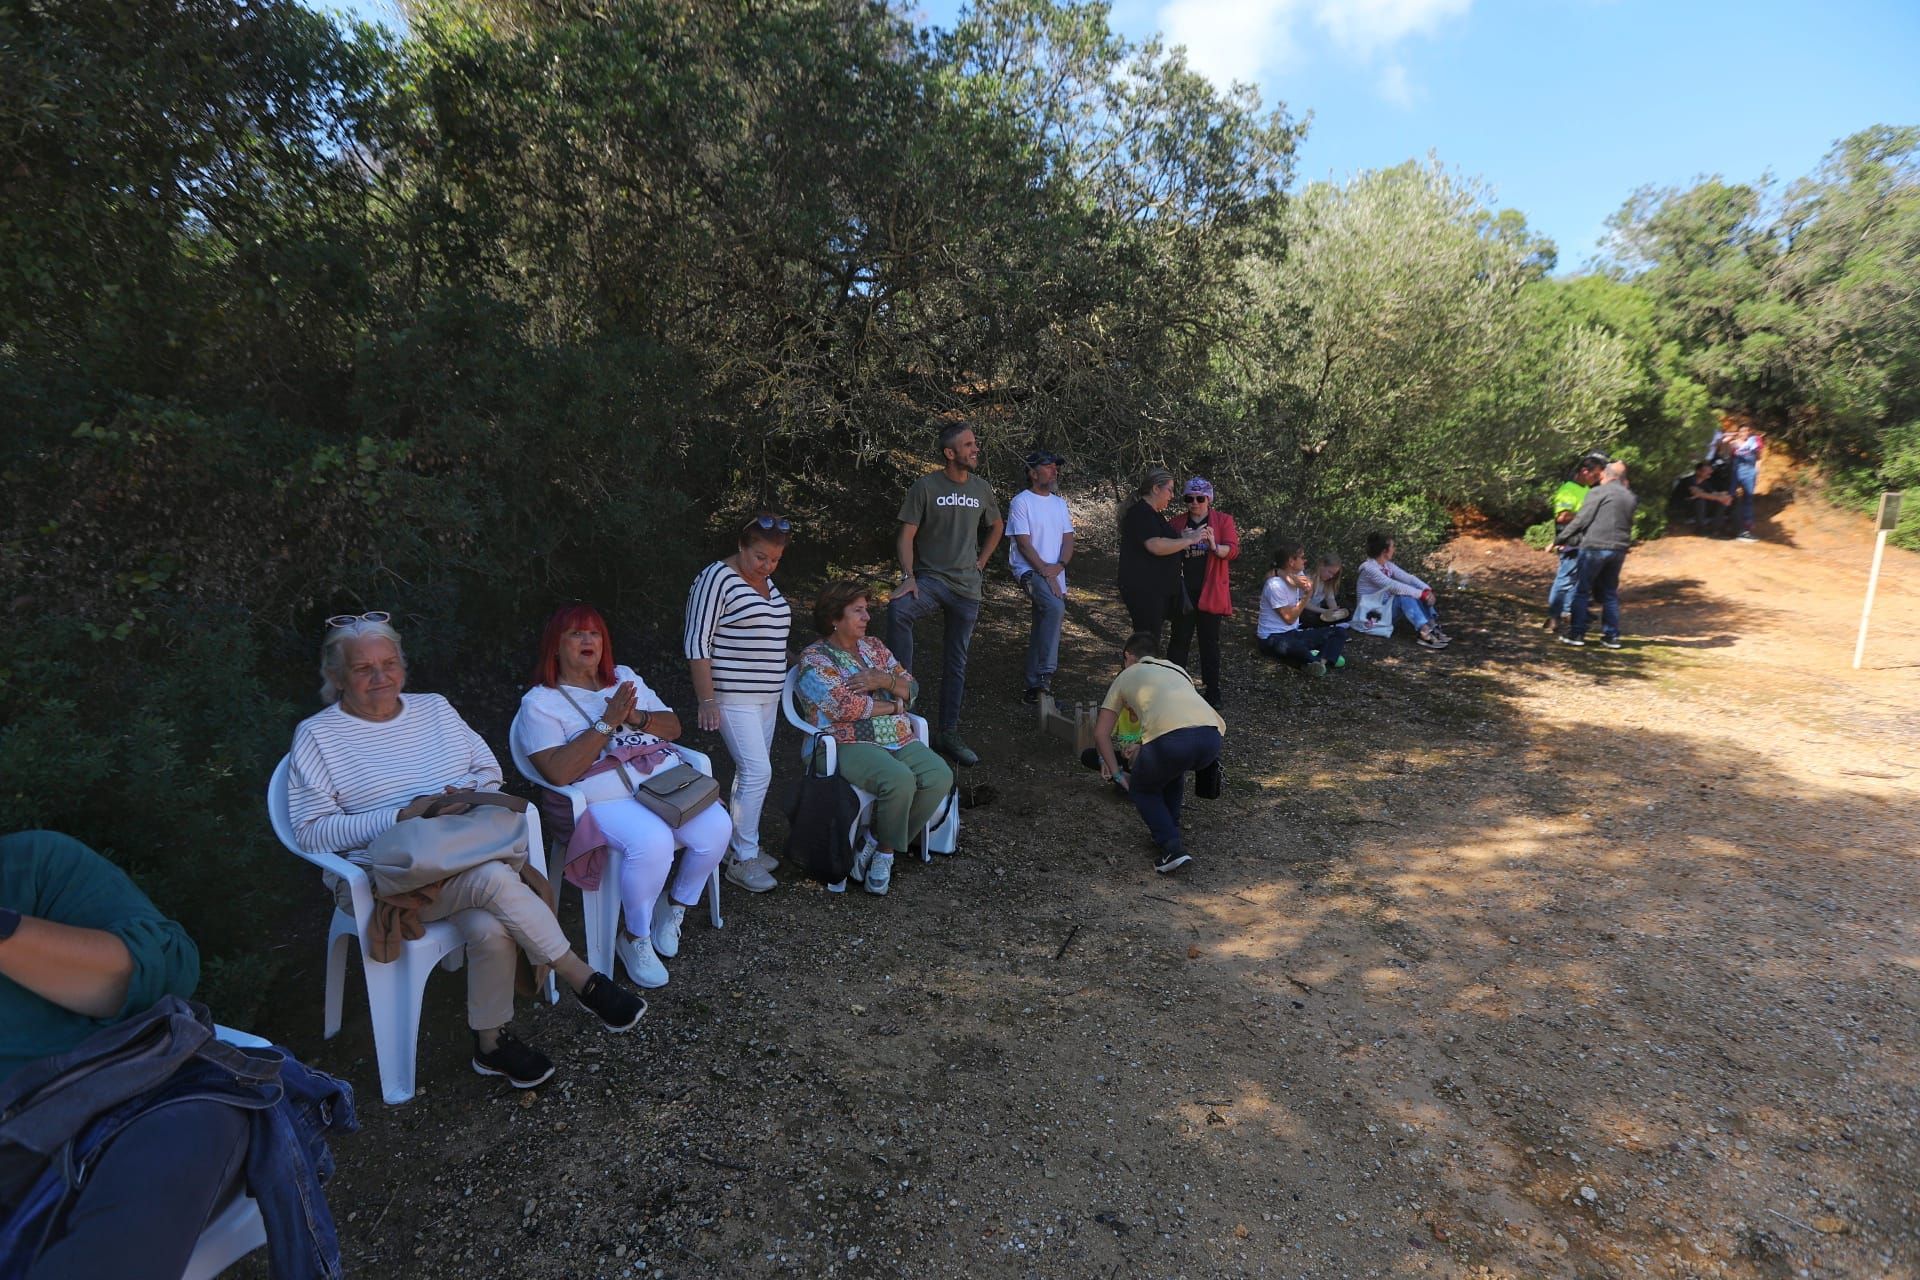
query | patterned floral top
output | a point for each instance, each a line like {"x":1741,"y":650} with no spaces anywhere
{"x":826,"y":700}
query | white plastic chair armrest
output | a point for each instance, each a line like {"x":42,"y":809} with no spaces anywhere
{"x":698,"y":759}
{"x":833,"y":751}
{"x":358,"y":885}
{"x":920,"y":729}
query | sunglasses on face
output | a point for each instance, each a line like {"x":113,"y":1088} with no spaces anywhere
{"x":1195,"y":498}
{"x":348,"y":619}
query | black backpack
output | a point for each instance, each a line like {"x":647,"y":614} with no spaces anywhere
{"x":820,"y":821}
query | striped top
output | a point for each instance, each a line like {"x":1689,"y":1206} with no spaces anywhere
{"x":741,"y":632}
{"x":349,"y":778}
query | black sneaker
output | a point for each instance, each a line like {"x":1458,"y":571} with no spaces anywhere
{"x":1610,"y":642}
{"x":1032,"y":696}
{"x":1171,"y":860}
{"x":1577,"y":642}
{"x":521,"y":1065}
{"x":615,"y":1006}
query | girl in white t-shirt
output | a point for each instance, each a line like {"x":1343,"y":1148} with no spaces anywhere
{"x":582,"y":710}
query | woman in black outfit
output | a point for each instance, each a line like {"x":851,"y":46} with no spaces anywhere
{"x":1150,"y":552}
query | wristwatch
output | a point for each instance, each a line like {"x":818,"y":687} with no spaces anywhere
{"x":601,"y":726}
{"x":9,"y":921}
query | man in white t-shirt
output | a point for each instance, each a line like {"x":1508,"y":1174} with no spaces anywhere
{"x":1039,"y":544}
{"x":1286,"y":592}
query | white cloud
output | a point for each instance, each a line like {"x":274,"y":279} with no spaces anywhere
{"x":1230,"y":40}
{"x":1369,"y":26}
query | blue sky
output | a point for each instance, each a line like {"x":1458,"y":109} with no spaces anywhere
{"x":1564,"y":107}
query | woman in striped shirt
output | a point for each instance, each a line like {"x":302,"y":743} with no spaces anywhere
{"x":372,"y":760}
{"x":736,"y":648}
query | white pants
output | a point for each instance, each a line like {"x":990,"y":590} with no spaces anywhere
{"x":746,"y":726}
{"x":645,"y":846}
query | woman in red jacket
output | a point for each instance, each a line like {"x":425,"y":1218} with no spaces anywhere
{"x":1209,"y":600}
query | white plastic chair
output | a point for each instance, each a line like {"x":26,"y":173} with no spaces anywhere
{"x":237,"y":1230}
{"x":812,"y":733}
{"x":394,"y":988}
{"x":602,"y":906}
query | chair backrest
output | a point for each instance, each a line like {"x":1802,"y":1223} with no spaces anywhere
{"x":277,"y":811}
{"x":788,"y":688}
{"x":520,"y":760}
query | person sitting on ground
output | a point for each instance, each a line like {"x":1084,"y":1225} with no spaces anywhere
{"x":1413,"y":600}
{"x":1180,"y":734}
{"x":852,"y":687}
{"x":1282,"y":600}
{"x":373,"y":759}
{"x":589,"y":722}
{"x":735,"y":643}
{"x":1323,"y":607}
{"x":93,"y":983}
{"x":1702,"y":492}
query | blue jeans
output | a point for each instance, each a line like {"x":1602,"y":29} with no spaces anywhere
{"x":1413,"y":613}
{"x":150,"y":1193}
{"x":961,"y":614}
{"x":1745,"y":476}
{"x":1303,"y":644}
{"x":1599,"y":576}
{"x":1043,"y":642}
{"x":1560,"y":594}
{"x":1159,"y":778}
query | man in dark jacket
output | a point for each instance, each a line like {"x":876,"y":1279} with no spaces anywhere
{"x":1603,"y":530}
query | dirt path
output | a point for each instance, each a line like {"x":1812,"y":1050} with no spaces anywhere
{"x":1508,"y":961}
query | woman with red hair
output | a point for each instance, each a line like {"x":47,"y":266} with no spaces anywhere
{"x":588,"y":721}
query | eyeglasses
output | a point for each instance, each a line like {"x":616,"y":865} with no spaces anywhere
{"x":771,"y":522}
{"x":348,"y":619}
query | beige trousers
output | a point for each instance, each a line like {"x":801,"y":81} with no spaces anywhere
{"x":496,"y":914}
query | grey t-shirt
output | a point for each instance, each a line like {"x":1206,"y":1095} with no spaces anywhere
{"x":950,"y":518}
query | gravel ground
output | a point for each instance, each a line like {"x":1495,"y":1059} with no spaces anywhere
{"x":1504,"y":961}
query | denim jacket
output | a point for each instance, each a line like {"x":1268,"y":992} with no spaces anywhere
{"x":58,"y":1114}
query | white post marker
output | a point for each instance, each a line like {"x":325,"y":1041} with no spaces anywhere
{"x":1883,"y":525}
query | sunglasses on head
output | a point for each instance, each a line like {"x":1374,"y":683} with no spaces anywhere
{"x":348,"y":619}
{"x":771,"y":522}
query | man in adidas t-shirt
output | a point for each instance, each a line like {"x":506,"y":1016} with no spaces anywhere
{"x":1040,"y":542}
{"x":942,"y":560}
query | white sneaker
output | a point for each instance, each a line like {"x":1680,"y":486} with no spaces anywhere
{"x":765,"y":861}
{"x":863,"y":859}
{"x":643,"y":966}
{"x":667,"y":918}
{"x":879,"y":872}
{"x":750,"y":876}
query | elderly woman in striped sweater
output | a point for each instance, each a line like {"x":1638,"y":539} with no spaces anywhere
{"x":373,"y":759}
{"x":735,"y":644}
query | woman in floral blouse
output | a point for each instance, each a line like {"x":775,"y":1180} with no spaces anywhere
{"x":853,"y":688}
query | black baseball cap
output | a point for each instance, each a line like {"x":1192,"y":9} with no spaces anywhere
{"x":1042,"y":458}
